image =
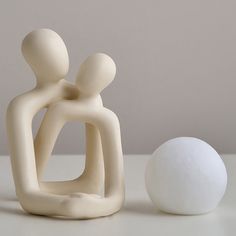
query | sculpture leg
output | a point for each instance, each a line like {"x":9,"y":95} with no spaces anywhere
{"x":45,"y":140}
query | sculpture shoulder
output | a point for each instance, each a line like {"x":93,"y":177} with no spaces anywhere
{"x":21,"y":100}
{"x":109,"y":117}
{"x":72,"y":110}
{"x":109,"y":113}
{"x":61,"y":108}
{"x":78,"y":105}
{"x":32,"y":100}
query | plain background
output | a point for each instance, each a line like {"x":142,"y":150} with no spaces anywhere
{"x":176,"y":65}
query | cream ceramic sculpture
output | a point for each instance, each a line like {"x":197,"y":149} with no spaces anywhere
{"x":81,"y":198}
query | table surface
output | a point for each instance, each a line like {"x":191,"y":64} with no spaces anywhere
{"x":137,"y":217}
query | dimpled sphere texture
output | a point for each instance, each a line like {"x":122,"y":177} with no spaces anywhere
{"x":186,"y":176}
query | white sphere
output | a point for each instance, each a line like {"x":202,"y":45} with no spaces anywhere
{"x":186,"y":176}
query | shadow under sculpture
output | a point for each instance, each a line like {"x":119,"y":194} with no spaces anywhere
{"x":81,"y":198}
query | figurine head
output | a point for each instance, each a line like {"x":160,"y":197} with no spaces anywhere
{"x":46,"y":53}
{"x":95,"y":73}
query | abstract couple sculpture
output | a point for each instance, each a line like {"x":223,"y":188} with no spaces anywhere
{"x":99,"y":191}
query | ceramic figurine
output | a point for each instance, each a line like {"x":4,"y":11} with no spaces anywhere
{"x":81,"y":198}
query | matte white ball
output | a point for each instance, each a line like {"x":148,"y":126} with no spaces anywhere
{"x":186,"y":176}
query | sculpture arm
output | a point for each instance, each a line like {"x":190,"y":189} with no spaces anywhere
{"x":89,"y":206}
{"x":112,"y":150}
{"x":20,"y":113}
{"x":19,"y":120}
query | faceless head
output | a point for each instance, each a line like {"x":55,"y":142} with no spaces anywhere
{"x":46,"y":53}
{"x":96,"y":73}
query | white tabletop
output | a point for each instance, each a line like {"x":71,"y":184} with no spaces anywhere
{"x":137,"y":217}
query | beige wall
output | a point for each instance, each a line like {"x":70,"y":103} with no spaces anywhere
{"x":176,"y":65}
